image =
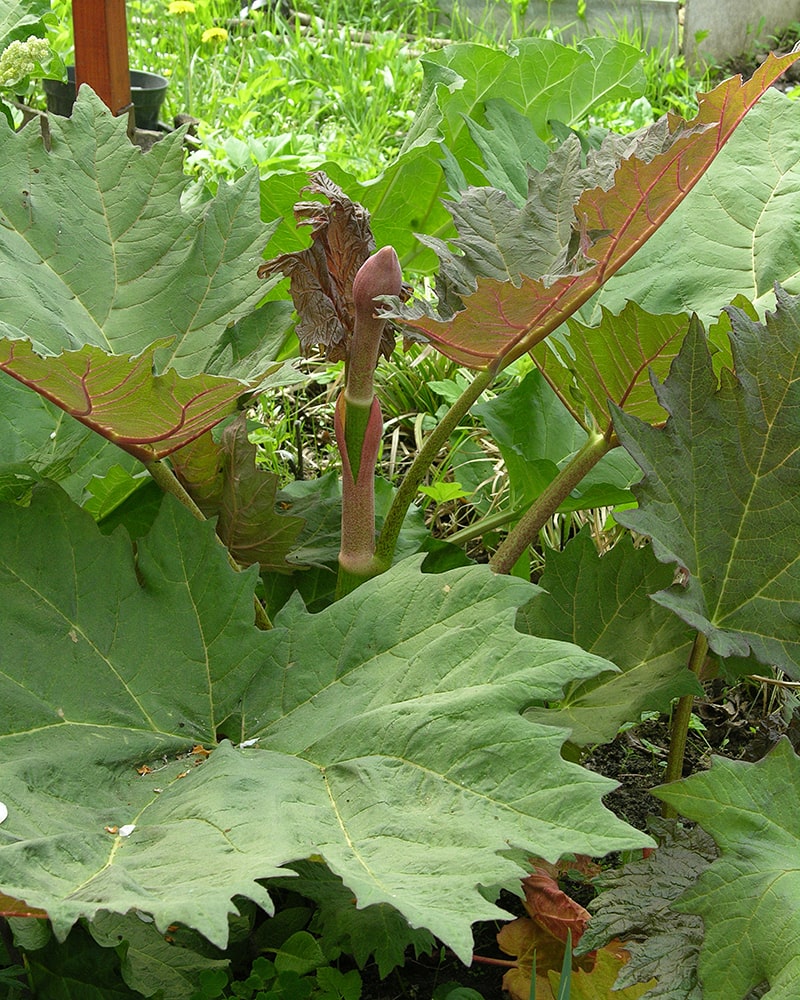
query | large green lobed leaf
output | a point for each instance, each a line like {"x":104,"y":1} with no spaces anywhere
{"x":390,"y":739}
{"x":721,"y":492}
{"x":602,"y":604}
{"x":634,"y":905}
{"x":749,"y":898}
{"x":541,"y":79}
{"x":115,"y":295}
{"x":97,"y":248}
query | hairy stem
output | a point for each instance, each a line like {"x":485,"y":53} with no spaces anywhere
{"x":407,"y":491}
{"x":679,"y":730}
{"x":533,"y":520}
{"x":170,"y":483}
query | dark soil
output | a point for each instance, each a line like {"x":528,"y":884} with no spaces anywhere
{"x":419,"y":977}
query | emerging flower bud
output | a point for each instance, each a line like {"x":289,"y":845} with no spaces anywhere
{"x":380,"y":274}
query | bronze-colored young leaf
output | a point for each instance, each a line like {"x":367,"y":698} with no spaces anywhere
{"x":321,"y":276}
{"x":630,"y":188}
{"x":539,"y":940}
{"x":121,"y":398}
{"x":226,"y":483}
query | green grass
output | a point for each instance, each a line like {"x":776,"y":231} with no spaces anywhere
{"x":277,"y":91}
{"x":337,"y":80}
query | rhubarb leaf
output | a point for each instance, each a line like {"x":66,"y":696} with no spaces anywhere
{"x":39,"y":440}
{"x":508,"y":148}
{"x":543,"y":80}
{"x":635,"y":904}
{"x":87,"y":266}
{"x":372,"y":724}
{"x":602,"y":604}
{"x":120,"y":398}
{"x":227,"y":485}
{"x":632,"y":185}
{"x":749,"y":899}
{"x":613,"y":361}
{"x":720,"y":492}
{"x":729,"y":237}
{"x":112,"y":305}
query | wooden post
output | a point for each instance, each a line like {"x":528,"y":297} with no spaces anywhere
{"x":101,"y":51}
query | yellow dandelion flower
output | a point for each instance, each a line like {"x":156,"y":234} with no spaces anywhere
{"x":216,"y":35}
{"x":181,"y":7}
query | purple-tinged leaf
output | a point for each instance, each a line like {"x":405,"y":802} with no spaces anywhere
{"x":638,"y":182}
{"x":225,"y":482}
{"x":120,"y":398}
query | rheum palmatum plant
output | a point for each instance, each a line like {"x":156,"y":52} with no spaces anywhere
{"x":162,"y":755}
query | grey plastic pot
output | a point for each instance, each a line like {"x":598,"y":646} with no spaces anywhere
{"x":147,"y":93}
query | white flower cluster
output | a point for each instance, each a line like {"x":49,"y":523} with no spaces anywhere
{"x":21,"y":58}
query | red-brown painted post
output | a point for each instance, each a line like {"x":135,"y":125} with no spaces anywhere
{"x":101,"y":51}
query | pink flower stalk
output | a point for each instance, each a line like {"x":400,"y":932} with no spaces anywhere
{"x":358,"y":420}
